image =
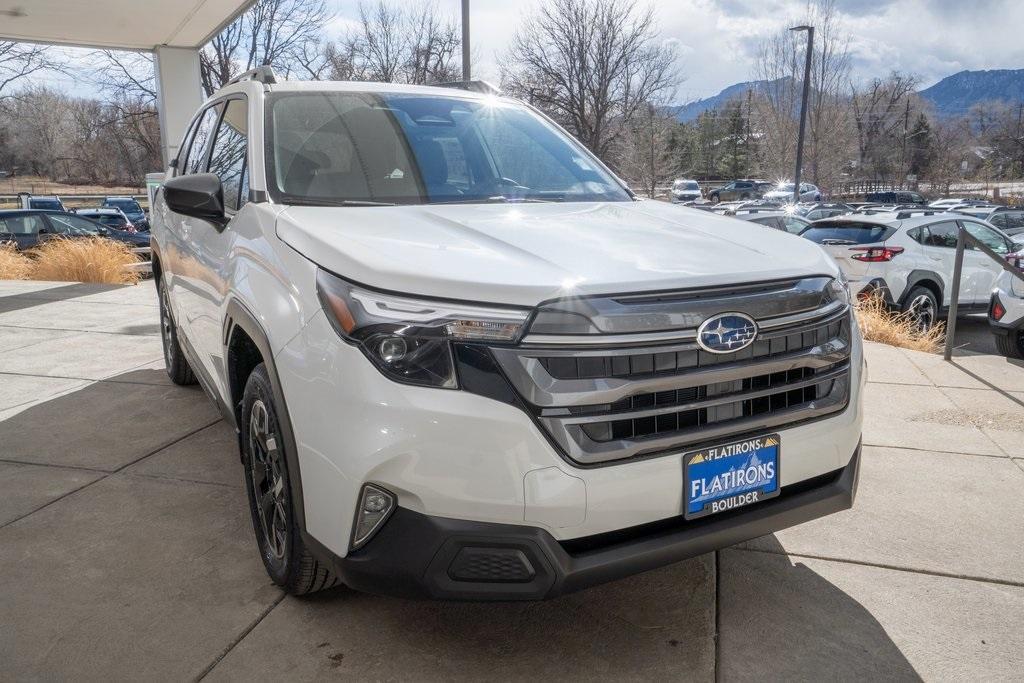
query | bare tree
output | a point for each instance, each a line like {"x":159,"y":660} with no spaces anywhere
{"x":881,"y":112}
{"x":283,"y":33}
{"x":22,"y":60}
{"x":780,"y":66}
{"x":592,"y":65}
{"x":645,"y":153}
{"x":399,"y":44}
{"x":950,"y":145}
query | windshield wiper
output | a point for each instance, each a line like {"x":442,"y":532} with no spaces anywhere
{"x":832,"y":242}
{"x":304,"y":201}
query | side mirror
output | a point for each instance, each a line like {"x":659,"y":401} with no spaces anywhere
{"x":199,"y":195}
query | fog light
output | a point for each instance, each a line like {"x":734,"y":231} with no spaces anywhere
{"x":375,"y":506}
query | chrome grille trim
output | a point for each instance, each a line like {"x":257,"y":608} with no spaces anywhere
{"x":798,"y":369}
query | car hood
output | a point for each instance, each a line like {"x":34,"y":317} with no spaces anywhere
{"x":522,"y":254}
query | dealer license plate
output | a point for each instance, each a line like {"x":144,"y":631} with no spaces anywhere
{"x":731,"y":475}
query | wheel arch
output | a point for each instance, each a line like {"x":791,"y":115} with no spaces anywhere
{"x":923,"y":278}
{"x":246,"y":345}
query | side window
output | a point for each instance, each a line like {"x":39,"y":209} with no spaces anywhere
{"x":197,"y":149}
{"x":1014,"y":219}
{"x":998,"y":220}
{"x":22,"y":225}
{"x":989,"y":237}
{"x":917,"y":234}
{"x":941,"y":235}
{"x":227,"y":160}
{"x":72,"y":225}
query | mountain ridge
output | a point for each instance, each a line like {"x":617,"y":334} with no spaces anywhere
{"x":953,"y":95}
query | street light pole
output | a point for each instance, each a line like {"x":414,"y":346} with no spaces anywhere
{"x":803,"y":109}
{"x":465,"y":41}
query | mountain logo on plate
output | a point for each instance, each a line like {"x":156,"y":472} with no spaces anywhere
{"x":726,"y":333}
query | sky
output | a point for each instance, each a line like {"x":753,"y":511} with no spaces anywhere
{"x":717,"y":40}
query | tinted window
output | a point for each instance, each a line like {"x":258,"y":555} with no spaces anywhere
{"x":126,"y":205}
{"x":46,"y":204}
{"x":197,"y":150}
{"x":940,"y":235}
{"x":989,"y":237}
{"x":794,"y":225}
{"x":227,"y":160}
{"x":21,"y":225}
{"x":111,"y":220}
{"x":413,"y":149}
{"x":72,"y":225}
{"x":847,"y":233}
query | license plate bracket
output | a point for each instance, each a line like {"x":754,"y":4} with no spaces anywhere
{"x":732,"y":475}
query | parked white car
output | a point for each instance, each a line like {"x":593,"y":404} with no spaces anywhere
{"x":463,"y":361}
{"x":783,"y":192}
{"x":684,"y":190}
{"x":907,"y":258}
{"x":1006,"y":314}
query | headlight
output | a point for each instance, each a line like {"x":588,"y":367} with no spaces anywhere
{"x":1017,"y":287}
{"x":408,"y":339}
{"x":838,"y":289}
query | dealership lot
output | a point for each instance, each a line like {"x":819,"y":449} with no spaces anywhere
{"x":126,"y":549}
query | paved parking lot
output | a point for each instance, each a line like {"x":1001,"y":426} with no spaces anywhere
{"x":126,"y":550}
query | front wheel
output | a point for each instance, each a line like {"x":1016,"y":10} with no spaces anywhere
{"x":287,"y":560}
{"x":922,"y":308}
{"x":1011,"y":344}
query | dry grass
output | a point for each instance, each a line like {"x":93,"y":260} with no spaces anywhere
{"x":879,"y":324}
{"x":92,"y":259}
{"x":14,"y":265}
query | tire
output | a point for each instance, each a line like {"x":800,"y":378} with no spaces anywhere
{"x":1011,"y":345}
{"x":745,"y":195}
{"x":714,"y":197}
{"x":178,"y":368}
{"x":922,"y":306}
{"x":287,"y":560}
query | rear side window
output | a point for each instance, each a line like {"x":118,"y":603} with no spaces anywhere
{"x":197,"y":149}
{"x":227,"y":160}
{"x":940,"y":235}
{"x":835,"y":232}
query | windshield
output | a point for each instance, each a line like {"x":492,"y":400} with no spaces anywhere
{"x":47,"y":204}
{"x":338,"y":147}
{"x":126,"y":205}
{"x":784,"y":187}
{"x":828,"y":232}
{"x":687,"y":185}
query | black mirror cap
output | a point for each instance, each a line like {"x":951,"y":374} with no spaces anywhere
{"x":199,"y":195}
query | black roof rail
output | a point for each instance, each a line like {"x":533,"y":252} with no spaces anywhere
{"x":482,"y":87}
{"x":261,"y":74}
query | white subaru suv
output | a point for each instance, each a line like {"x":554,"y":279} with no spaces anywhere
{"x":464,"y":361}
{"x":907,"y":258}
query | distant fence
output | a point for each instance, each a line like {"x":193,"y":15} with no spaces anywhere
{"x":11,"y":201}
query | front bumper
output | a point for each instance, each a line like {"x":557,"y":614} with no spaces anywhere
{"x":422,"y":556}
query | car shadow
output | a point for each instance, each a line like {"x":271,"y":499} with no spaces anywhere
{"x":20,"y":300}
{"x":781,"y":620}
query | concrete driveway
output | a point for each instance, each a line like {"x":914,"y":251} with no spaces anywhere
{"x":126,"y":551}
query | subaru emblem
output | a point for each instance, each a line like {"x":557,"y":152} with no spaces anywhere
{"x":726,"y":333}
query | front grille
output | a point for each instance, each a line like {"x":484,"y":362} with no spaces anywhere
{"x":642,"y":364}
{"x":602,"y":404}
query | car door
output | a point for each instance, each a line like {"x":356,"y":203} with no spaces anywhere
{"x":183,"y":278}
{"x":983,"y":268}
{"x":939,"y":249}
{"x":228,"y":161}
